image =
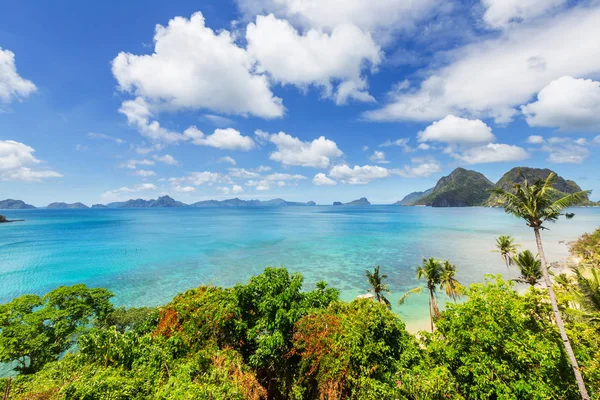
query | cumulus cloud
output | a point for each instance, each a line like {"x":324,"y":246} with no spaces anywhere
{"x":315,"y":57}
{"x":378,"y":157}
{"x":382,"y":17}
{"x":185,"y":189}
{"x":166,"y":159}
{"x":139,"y":115}
{"x":421,"y":167}
{"x":144,"y":173}
{"x":568,"y":104}
{"x":490,"y":77}
{"x":194,"y":67}
{"x":118,"y":194}
{"x":293,"y":151}
{"x":132,"y":164}
{"x":227,"y":160}
{"x":284,"y":177}
{"x":503,"y":13}
{"x":201,"y":178}
{"x":535,"y":139}
{"x":564,"y":150}
{"x":235,"y":189}
{"x":226,"y":139}
{"x":16,"y":162}
{"x":12,"y":85}
{"x":358,"y":175}
{"x":454,"y":130}
{"x":243,"y":173}
{"x":491,"y":153}
{"x":321,"y":179}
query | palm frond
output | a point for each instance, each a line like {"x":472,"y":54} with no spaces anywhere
{"x":407,"y":294}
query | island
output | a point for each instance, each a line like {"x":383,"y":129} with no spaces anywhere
{"x":10,"y":204}
{"x":4,"y":220}
{"x":66,"y":205}
{"x":467,"y":188}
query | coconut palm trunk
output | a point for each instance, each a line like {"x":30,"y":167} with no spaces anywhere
{"x":558,"y":317}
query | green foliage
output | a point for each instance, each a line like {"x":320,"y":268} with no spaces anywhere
{"x":537,"y":203}
{"x":35,"y":330}
{"x":352,"y":350}
{"x":502,"y":345}
{"x":377,"y":286}
{"x":587,"y":247}
{"x":268,"y":339}
{"x":530,"y":268}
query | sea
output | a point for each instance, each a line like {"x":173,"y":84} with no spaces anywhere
{"x":146,"y":256}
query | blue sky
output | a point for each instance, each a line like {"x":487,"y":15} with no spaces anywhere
{"x":300,"y":99}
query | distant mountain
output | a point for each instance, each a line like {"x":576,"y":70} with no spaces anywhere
{"x":520,"y":174}
{"x":99,"y":206}
{"x":360,"y":202}
{"x":10,"y":204}
{"x":161,"y":202}
{"x":338,"y":203}
{"x":412,"y":198}
{"x":249,"y":203}
{"x":65,"y":205}
{"x":462,"y":188}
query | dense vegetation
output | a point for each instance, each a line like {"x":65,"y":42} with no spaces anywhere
{"x":269,"y":339}
{"x":470,"y":188}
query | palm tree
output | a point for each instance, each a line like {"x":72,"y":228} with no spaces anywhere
{"x":530,"y":267}
{"x":448,"y":281}
{"x":377,"y":285}
{"x":588,"y":293}
{"x":536,"y":205}
{"x":431,"y":271}
{"x":506,"y":248}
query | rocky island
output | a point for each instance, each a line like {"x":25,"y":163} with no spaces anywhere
{"x":3,"y":219}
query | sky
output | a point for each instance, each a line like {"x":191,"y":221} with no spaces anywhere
{"x":323,"y":100}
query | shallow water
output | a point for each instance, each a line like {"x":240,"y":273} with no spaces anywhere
{"x":146,"y":256}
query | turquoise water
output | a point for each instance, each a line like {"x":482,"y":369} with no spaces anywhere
{"x":146,"y":256}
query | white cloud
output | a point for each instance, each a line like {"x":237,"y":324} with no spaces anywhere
{"x":12,"y":85}
{"x":489,"y":78}
{"x":421,"y":167}
{"x":80,"y":147}
{"x":263,"y":168}
{"x":284,"y":177}
{"x":566,"y":154}
{"x":132,"y":164}
{"x":378,"y":157}
{"x":166,"y":159}
{"x":566,"y":103}
{"x":457,"y":130}
{"x":118,"y":194}
{"x":139,"y":115}
{"x":193,"y":67}
{"x":102,"y":136}
{"x":535,"y":139}
{"x":185,"y":189}
{"x":359,"y":175}
{"x":381,"y":17}
{"x":293,"y":151}
{"x":260,"y":184}
{"x":581,"y":141}
{"x":201,"y":178}
{"x":219,"y":120}
{"x":403,"y":143}
{"x":235,"y":189}
{"x":423,"y":146}
{"x":321,"y":179}
{"x":491,"y":153}
{"x":149,"y":149}
{"x":144,"y":173}
{"x":315,"y":57}
{"x":16,"y":160}
{"x":502,"y":13}
{"x":226,"y":139}
{"x":243,"y":173}
{"x":556,"y":140}
{"x":227,"y":160}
